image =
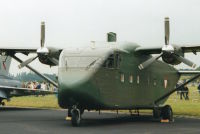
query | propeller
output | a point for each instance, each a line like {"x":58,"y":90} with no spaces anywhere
{"x":185,"y":61}
{"x":149,"y":61}
{"x":167,"y":28}
{"x":167,"y":49}
{"x":27,"y":62}
{"x":40,"y":51}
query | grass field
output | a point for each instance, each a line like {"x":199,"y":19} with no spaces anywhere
{"x":189,"y":107}
{"x":48,"y":101}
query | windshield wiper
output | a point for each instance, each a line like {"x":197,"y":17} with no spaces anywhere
{"x":91,"y":64}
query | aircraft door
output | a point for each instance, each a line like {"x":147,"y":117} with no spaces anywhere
{"x":107,"y":79}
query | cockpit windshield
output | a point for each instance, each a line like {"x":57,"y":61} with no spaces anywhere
{"x":83,"y":62}
{"x":113,"y":61}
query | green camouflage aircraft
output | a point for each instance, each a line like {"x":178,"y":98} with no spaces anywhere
{"x":113,"y":75}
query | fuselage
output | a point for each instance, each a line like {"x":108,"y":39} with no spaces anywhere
{"x":106,"y":76}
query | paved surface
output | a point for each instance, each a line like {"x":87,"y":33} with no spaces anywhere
{"x":33,"y":121}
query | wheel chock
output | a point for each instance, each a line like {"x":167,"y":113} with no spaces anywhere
{"x":68,"y":118}
{"x":164,"y":121}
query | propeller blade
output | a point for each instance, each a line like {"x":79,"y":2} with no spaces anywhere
{"x":149,"y":62}
{"x":42,"y":40}
{"x":53,"y":60}
{"x":27,"y":62}
{"x":167,"y":31}
{"x":185,"y":61}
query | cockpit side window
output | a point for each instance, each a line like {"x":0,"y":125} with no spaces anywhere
{"x":117,"y":60}
{"x":113,"y":61}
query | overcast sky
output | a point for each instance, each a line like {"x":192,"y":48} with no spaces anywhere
{"x":68,"y":21}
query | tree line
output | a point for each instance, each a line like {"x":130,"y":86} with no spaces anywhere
{"x":24,"y":76}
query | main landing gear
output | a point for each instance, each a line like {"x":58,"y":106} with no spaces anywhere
{"x":75,"y":114}
{"x":2,"y":103}
{"x":164,"y":113}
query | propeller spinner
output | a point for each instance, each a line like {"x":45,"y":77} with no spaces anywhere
{"x":167,"y":49}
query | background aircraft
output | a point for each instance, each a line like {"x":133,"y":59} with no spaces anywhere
{"x":113,"y":75}
{"x":10,"y":87}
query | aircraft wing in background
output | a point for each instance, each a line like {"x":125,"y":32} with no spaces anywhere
{"x":7,"y":92}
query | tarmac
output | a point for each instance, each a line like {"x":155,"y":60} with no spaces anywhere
{"x":38,"y":121}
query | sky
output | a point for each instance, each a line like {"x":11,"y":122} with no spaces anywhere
{"x":72,"y":22}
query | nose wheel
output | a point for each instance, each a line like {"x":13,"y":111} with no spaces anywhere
{"x":76,"y":116}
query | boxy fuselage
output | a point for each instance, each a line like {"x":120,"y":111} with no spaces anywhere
{"x":106,"y":76}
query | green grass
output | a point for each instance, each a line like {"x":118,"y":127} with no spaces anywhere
{"x":189,"y":107}
{"x":47,"y":101}
{"x":180,"y":107}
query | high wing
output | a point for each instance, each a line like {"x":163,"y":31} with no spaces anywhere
{"x":171,"y":53}
{"x":53,"y":52}
{"x":193,"y":49}
{"x":188,"y":72}
{"x":13,"y":50}
{"x":148,"y":50}
{"x":51,"y":58}
{"x":7,"y":92}
{"x":158,"y":49}
{"x":46,"y":55}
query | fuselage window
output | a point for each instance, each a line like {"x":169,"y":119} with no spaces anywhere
{"x":138,"y":79}
{"x":117,"y":60}
{"x":131,"y":78}
{"x":122,"y":78}
{"x":154,"y":82}
{"x":113,"y":61}
{"x":109,"y":63}
{"x":148,"y":80}
{"x":165,"y":83}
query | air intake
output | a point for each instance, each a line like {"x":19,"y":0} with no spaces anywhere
{"x":111,"y":37}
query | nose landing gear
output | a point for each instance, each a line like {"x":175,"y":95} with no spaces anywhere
{"x":74,"y":114}
{"x":76,"y":117}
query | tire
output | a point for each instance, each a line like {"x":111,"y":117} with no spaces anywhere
{"x":3,"y":103}
{"x":76,"y":119}
{"x":69,"y":114}
{"x":167,"y":113}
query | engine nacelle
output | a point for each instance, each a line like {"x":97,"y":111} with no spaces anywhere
{"x":49,"y":58}
{"x":45,"y":60}
{"x":170,"y":59}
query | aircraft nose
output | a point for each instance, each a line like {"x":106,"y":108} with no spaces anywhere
{"x":76,"y":86}
{"x":71,"y":78}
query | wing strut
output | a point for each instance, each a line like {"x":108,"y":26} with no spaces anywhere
{"x":38,"y":73}
{"x":175,"y":89}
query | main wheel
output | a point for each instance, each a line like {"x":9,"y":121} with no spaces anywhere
{"x":3,"y":103}
{"x":76,"y":117}
{"x":167,"y":113}
{"x":69,"y":114}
